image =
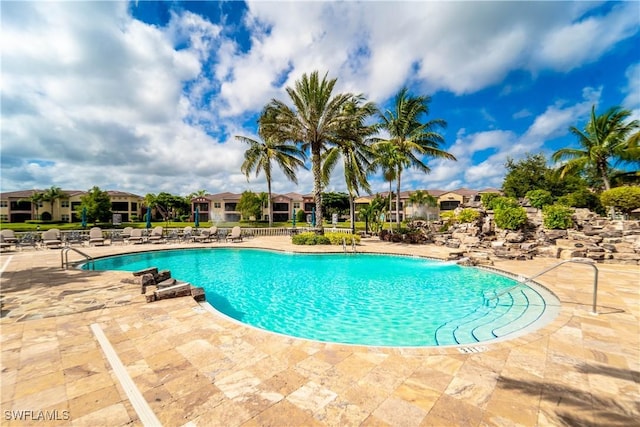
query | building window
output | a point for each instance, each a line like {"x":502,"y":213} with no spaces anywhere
{"x":134,"y":206}
{"x":65,"y":218}
{"x":4,"y":218}
{"x":4,"y":204}
{"x":64,"y":204}
{"x":296,"y":205}
{"x":217,"y":205}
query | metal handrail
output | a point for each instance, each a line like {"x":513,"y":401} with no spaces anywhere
{"x":344,"y":245}
{"x":353,"y":244}
{"x":587,"y":261}
{"x":64,"y":257}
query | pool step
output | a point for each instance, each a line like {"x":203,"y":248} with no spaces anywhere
{"x":465,"y":331}
{"x":535,"y":309}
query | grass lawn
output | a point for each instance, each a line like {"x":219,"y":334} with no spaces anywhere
{"x":23,"y":226}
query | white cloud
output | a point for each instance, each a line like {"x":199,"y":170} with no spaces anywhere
{"x":92,"y":96}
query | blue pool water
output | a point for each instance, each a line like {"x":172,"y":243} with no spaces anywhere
{"x":351,"y":298}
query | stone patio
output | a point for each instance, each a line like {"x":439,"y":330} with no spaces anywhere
{"x":198,"y":368}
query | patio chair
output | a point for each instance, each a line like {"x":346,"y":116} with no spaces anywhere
{"x":73,"y":237}
{"x":187,"y":234}
{"x":5,"y":245}
{"x":9,"y":236}
{"x":204,"y":236}
{"x":51,"y":239}
{"x":136,"y":236}
{"x":27,"y":239}
{"x":126,"y":233}
{"x":235,"y":235}
{"x":95,"y":237}
{"x":157,"y":235}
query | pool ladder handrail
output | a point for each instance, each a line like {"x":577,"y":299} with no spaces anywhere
{"x":353,"y":245}
{"x":587,"y":261}
{"x":64,"y":257}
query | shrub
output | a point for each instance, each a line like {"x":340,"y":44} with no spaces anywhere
{"x":582,"y":199}
{"x":624,"y":199}
{"x":539,"y":198}
{"x":510,"y":218}
{"x":301,"y":216}
{"x":336,"y":238}
{"x":487,"y":198}
{"x":503,"y":202}
{"x":557,"y":217}
{"x":468,"y":215}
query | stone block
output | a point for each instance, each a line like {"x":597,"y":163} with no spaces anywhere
{"x":166,"y":283}
{"x":514,"y":237}
{"x":625,"y":256}
{"x":163,"y":275}
{"x":623,"y":247}
{"x":179,"y":290}
{"x":572,"y":244}
{"x":548,"y":251}
{"x":151,"y":270}
{"x":571,"y":253}
{"x":198,"y":294}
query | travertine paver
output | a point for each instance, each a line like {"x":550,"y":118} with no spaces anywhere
{"x":197,"y":368}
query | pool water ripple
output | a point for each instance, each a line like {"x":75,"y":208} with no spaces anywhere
{"x":353,"y":299}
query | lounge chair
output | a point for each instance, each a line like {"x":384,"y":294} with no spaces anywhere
{"x":126,"y":233}
{"x":156,"y":235}
{"x":5,"y":245}
{"x":95,"y":237}
{"x":187,"y":234}
{"x":8,"y":236}
{"x":136,"y":236}
{"x":51,"y":239}
{"x":235,"y":235}
{"x":204,"y":236}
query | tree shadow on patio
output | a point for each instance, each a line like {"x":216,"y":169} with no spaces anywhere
{"x":570,"y":403}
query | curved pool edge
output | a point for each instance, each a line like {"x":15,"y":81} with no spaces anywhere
{"x":550,"y":316}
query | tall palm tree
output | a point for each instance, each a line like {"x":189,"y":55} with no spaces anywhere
{"x":388,"y":158}
{"x":261,"y":154}
{"x":606,"y":139}
{"x":414,"y":138}
{"x":352,"y":145}
{"x":51,"y":195}
{"x":313,"y":122}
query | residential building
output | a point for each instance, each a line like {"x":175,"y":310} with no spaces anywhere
{"x":16,"y":206}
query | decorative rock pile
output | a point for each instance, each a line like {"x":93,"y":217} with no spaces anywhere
{"x":165,"y":286}
{"x":601,"y":239}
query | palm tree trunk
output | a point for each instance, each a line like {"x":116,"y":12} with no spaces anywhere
{"x":352,"y":214}
{"x":390,"y":206}
{"x":398,"y":200}
{"x":270,"y":204}
{"x":317,"y":185}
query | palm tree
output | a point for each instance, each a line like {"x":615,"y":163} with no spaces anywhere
{"x":606,"y":138}
{"x":313,"y":122}
{"x":51,"y":195}
{"x":35,"y":199}
{"x":422,"y":198}
{"x":352,"y":145}
{"x":413,"y":138}
{"x":261,"y":154}
{"x":389,"y":159}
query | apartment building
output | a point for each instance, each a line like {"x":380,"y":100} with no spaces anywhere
{"x":17,"y":206}
{"x":224,"y":207}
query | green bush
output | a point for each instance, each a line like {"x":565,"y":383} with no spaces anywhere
{"x":301,"y":216}
{"x":503,"y":202}
{"x":539,"y":198}
{"x":582,"y":199}
{"x":624,"y":199}
{"x":510,"y":218}
{"x":336,"y":238}
{"x":557,"y":217}
{"x":487,"y":198}
{"x":309,"y":238}
{"x":468,"y":215}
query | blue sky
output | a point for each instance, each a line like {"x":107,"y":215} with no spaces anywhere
{"x":147,"y":96}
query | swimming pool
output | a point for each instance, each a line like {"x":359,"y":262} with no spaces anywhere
{"x":361,"y":299}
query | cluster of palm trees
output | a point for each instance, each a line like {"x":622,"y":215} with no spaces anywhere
{"x":50,"y":195}
{"x":343,"y":127}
